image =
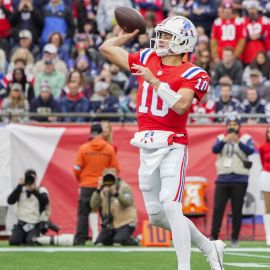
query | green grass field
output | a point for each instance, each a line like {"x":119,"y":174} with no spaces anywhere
{"x":84,"y":258}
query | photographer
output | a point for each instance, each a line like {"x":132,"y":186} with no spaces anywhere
{"x":233,"y":149}
{"x":114,"y":200}
{"x":32,"y":210}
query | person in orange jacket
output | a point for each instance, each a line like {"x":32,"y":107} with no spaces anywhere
{"x":91,"y":160}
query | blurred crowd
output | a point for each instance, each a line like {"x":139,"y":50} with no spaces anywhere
{"x":50,"y":62}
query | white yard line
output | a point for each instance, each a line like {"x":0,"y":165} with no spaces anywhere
{"x":247,"y":255}
{"x":126,"y":249}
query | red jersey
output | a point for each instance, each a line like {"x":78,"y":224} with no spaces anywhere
{"x":228,"y":33}
{"x":265,"y":156}
{"x":257,"y":32}
{"x":152,"y":112}
{"x":202,"y":108}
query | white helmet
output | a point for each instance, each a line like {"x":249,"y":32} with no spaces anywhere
{"x":184,"y":36}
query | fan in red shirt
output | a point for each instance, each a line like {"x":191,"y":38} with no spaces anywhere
{"x":5,"y":10}
{"x":265,"y":182}
{"x":227,"y":31}
{"x":257,"y":27}
{"x":205,"y":106}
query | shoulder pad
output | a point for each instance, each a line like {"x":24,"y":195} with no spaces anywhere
{"x":144,"y":55}
{"x":192,"y":72}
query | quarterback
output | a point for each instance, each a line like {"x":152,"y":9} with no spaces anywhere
{"x":167,"y":87}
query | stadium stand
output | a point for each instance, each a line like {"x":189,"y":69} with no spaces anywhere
{"x":34,"y":52}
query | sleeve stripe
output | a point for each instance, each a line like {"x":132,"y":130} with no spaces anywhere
{"x":144,"y":55}
{"x":192,"y":72}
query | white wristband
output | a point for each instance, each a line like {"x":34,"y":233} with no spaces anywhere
{"x":167,"y":94}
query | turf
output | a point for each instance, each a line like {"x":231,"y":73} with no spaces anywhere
{"x":112,"y":260}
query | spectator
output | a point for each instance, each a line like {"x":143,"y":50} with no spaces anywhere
{"x":31,"y":204}
{"x":257,"y":31}
{"x":26,"y":42}
{"x":178,"y":8}
{"x":101,"y":101}
{"x":113,"y":198}
{"x":203,"y":13}
{"x":91,"y":160}
{"x":62,"y":51}
{"x":15,"y":103}
{"x":265,"y":183}
{"x":150,"y":22}
{"x":154,"y":6}
{"x":86,"y":67}
{"x":255,"y":80}
{"x":128,"y":105}
{"x":3,"y":61}
{"x":227,"y":31}
{"x":253,"y":104}
{"x":5,"y":27}
{"x":19,"y":76}
{"x":26,"y":17}
{"x":120,"y":79}
{"x":90,"y":30}
{"x":203,"y":107}
{"x":202,"y":45}
{"x":74,"y":102}
{"x":226,"y":103}
{"x":87,"y":10}
{"x":143,"y":43}
{"x":233,"y":148}
{"x":77,"y":76}
{"x":45,"y":103}
{"x":229,"y":67}
{"x":24,"y":54}
{"x":262,"y":63}
{"x":105,"y":14}
{"x":57,"y":18}
{"x":50,"y":53}
{"x":55,"y":79}
{"x":204,"y":60}
{"x":8,"y":78}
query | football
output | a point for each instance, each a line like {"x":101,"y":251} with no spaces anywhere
{"x":129,"y":19}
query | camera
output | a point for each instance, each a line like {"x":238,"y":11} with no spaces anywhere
{"x":29,"y":179}
{"x":108,"y":180}
{"x":231,"y":130}
{"x":45,"y":226}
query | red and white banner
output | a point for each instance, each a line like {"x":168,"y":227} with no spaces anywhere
{"x":51,"y":151}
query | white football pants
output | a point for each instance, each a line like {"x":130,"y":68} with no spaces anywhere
{"x":162,"y":192}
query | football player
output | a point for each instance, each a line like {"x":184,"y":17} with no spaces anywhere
{"x":167,"y":87}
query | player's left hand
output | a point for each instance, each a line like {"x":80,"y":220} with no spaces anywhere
{"x":144,"y":72}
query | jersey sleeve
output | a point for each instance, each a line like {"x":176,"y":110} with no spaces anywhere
{"x":215,"y":28}
{"x":196,"y":79}
{"x":139,"y":58}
